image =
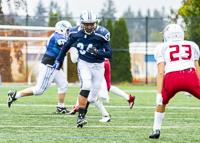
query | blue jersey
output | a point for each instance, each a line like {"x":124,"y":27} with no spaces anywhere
{"x":80,"y":40}
{"x":54,"y":44}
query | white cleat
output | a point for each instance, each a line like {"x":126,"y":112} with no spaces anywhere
{"x":105,"y":118}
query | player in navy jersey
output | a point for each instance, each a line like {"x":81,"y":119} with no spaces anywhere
{"x":53,"y":47}
{"x":93,"y":45}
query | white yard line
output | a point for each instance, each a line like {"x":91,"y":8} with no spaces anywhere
{"x":163,"y":127}
{"x":140,"y":91}
{"x":74,"y":116}
{"x":149,"y":107}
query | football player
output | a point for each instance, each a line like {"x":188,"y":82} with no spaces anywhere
{"x":93,"y":45}
{"x":98,"y":104}
{"x":177,"y":62}
{"x":105,"y":87}
{"x":53,"y":47}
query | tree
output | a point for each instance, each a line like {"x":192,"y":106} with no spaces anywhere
{"x":190,"y":8}
{"x":54,"y":8}
{"x":108,"y":10}
{"x":129,"y":17}
{"x":120,"y":63}
{"x":40,"y":15}
{"x":53,"y":20}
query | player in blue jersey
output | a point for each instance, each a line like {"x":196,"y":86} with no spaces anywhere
{"x":53,"y":47}
{"x":93,"y":45}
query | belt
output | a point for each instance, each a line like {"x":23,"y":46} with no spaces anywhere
{"x":187,"y":69}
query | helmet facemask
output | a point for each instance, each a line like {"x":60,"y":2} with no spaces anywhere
{"x":85,"y":29}
{"x":88,"y":17}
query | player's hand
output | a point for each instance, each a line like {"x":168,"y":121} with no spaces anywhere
{"x":92,"y":50}
{"x":159,"y":99}
{"x":55,"y":66}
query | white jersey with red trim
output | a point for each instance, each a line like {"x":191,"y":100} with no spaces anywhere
{"x":177,"y":55}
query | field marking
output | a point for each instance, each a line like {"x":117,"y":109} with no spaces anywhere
{"x":74,"y":116}
{"x":134,"y":127}
{"x":66,"y":136}
{"x":140,"y":91}
{"x":149,"y":107}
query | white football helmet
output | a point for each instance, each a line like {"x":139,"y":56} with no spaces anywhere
{"x":88,"y":16}
{"x":173,"y":32}
{"x":62,"y":27}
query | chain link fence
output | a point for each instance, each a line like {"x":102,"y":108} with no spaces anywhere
{"x":144,"y":36}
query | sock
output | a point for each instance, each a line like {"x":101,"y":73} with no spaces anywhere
{"x":18,"y":95}
{"x":77,"y":102}
{"x":158,"y":120}
{"x":99,"y":105}
{"x":119,"y":92}
{"x":86,"y":107}
{"x":61,"y":105}
{"x":81,"y":112}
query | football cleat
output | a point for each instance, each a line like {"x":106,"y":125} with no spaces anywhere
{"x":131,"y":101}
{"x":105,"y":118}
{"x":11,"y":97}
{"x":81,"y":122}
{"x":155,"y":134}
{"x":61,"y":110}
{"x":74,"y":110}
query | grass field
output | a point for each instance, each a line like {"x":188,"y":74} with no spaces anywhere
{"x":31,"y":119}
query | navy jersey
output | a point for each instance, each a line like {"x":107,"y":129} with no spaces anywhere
{"x":80,"y":40}
{"x":54,"y":44}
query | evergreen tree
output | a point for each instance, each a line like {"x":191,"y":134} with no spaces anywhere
{"x":108,"y":10}
{"x":53,"y":20}
{"x":129,"y":17}
{"x":109,"y":26}
{"x":40,"y":14}
{"x":120,"y":63}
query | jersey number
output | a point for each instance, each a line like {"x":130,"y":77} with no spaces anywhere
{"x":189,"y":51}
{"x":81,"y":48}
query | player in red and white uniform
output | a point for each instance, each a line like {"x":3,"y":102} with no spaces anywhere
{"x":130,"y":98}
{"x":178,"y":70}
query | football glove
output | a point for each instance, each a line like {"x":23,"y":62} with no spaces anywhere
{"x":92,"y":50}
{"x":159,"y":99}
{"x":55,"y":66}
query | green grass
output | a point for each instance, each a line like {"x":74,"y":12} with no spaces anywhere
{"x":29,"y":121}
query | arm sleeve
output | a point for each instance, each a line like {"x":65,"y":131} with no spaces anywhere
{"x":106,"y":52}
{"x":159,"y":55}
{"x":65,"y":49}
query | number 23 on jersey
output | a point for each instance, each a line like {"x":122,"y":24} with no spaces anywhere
{"x":177,"y":50}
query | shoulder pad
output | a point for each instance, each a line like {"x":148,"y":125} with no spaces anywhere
{"x":75,"y":29}
{"x":103,"y":32}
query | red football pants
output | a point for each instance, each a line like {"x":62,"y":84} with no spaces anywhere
{"x":180,"y":81}
{"x":107,"y":73}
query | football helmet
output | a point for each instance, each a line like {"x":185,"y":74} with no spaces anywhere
{"x":173,"y":32}
{"x":88,"y":16}
{"x":62,"y":27}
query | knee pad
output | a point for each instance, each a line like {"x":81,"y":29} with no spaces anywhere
{"x":84,"y":93}
{"x":63,"y":88}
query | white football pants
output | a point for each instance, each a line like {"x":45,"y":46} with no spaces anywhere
{"x":91,"y":76}
{"x":45,"y":79}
